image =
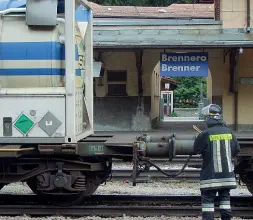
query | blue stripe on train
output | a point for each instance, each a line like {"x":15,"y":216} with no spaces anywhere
{"x":33,"y":51}
{"x":82,"y":15}
{"x":36,"y":72}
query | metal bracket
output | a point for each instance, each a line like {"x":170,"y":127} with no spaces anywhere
{"x":135,"y":163}
{"x":139,"y":149}
{"x":34,"y":17}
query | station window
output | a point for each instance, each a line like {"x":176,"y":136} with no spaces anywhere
{"x":117,"y":83}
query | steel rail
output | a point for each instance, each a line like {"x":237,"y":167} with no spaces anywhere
{"x":104,"y":199}
{"x":116,"y":211}
{"x":125,"y":174}
{"x":158,"y":161}
{"x":117,"y":205}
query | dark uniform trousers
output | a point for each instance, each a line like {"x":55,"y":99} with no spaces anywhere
{"x":208,"y":198}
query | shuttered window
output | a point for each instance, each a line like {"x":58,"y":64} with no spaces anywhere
{"x":117,"y":83}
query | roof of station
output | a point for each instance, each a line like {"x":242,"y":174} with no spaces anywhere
{"x":167,"y":79}
{"x":175,"y":26}
{"x":172,"y":11}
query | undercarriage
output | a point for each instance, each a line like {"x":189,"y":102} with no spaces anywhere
{"x":66,"y":174}
{"x":61,"y":181}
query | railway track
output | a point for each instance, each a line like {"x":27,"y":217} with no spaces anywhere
{"x":125,"y":174}
{"x":117,"y":205}
{"x":178,"y":160}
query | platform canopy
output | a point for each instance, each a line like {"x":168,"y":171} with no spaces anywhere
{"x":112,"y":33}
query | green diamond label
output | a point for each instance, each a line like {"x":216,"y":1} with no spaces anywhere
{"x":24,"y":124}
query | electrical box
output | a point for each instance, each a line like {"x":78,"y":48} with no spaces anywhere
{"x":41,"y":12}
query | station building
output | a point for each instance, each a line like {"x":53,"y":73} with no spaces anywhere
{"x":128,"y":42}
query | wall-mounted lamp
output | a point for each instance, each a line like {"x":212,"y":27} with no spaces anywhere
{"x":97,"y":68}
{"x":241,"y":51}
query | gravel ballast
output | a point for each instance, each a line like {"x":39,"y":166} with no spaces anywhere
{"x":99,"y":218}
{"x":125,"y":187}
{"x":173,"y":187}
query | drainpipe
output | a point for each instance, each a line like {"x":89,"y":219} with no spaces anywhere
{"x":236,"y":110}
{"x":248,"y":17}
{"x":233,"y":87}
{"x":139,"y":65}
{"x":217,"y":10}
{"x":236,"y":92}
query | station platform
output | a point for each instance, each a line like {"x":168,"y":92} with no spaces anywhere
{"x":130,"y":134}
{"x":168,"y":127}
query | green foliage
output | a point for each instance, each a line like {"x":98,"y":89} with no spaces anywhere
{"x":173,"y":114}
{"x":189,"y":90}
{"x":141,"y":2}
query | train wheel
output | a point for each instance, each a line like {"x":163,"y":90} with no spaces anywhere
{"x":32,"y":185}
{"x":2,"y":185}
{"x":60,"y":197}
{"x":250,"y":187}
{"x":70,"y":200}
{"x":247,"y":179}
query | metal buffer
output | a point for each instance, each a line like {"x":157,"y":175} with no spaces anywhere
{"x":156,"y":146}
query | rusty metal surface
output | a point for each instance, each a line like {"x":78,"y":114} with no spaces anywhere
{"x":217,"y":6}
{"x":58,"y":149}
{"x":122,"y":139}
{"x":14,"y":151}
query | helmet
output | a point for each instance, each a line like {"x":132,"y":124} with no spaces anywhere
{"x":212,"y":111}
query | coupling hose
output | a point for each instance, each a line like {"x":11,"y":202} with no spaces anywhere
{"x":165,"y":173}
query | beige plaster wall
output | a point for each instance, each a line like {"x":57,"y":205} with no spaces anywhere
{"x":234,"y":13}
{"x":245,"y":105}
{"x":218,"y":80}
{"x":155,"y":92}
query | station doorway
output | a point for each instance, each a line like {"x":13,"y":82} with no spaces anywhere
{"x":186,"y":100}
{"x":190,"y":71}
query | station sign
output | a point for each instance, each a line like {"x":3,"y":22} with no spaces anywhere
{"x":184,"y":64}
{"x":246,"y":80}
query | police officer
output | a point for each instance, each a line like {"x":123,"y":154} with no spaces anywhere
{"x":217,"y":145}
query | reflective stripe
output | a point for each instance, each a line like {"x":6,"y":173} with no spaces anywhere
{"x":227,"y":146}
{"x":225,"y":202}
{"x":230,"y":156}
{"x":207,"y":205}
{"x":219,"y":157}
{"x":215,"y":162}
{"x":225,"y":207}
{"x":219,"y":137}
{"x":211,"y":185}
{"x":207,"y":209}
{"x":217,"y":180}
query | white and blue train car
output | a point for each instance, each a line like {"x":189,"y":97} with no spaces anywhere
{"x":45,"y":90}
